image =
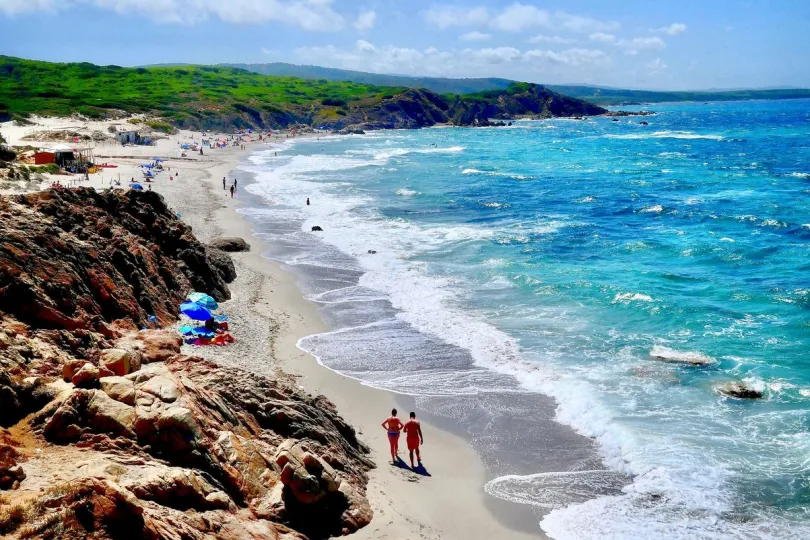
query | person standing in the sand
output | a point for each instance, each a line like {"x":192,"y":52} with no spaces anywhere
{"x":235,"y":182}
{"x":413,"y":430}
{"x":232,"y":192}
{"x":393,"y":426}
{"x":223,"y":183}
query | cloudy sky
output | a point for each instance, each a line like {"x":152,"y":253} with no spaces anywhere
{"x":685,"y":44}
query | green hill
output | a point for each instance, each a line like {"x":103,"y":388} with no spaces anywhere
{"x":215,"y":97}
{"x":434,"y":84}
{"x":189,"y":96}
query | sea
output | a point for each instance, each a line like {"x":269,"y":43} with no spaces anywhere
{"x":571,"y":294}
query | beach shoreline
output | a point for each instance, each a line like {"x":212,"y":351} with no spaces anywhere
{"x":270,"y":315}
{"x":451,"y":503}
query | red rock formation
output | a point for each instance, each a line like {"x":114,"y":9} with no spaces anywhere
{"x":116,"y":434}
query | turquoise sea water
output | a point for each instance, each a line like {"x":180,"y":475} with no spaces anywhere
{"x":584,"y":260}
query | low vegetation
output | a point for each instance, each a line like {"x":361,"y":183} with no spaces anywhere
{"x":184,"y":96}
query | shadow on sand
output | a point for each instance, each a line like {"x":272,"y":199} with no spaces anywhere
{"x":419,"y":469}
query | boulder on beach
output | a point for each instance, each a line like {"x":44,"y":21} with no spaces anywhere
{"x":229,"y":244}
{"x":316,"y":228}
{"x":739,"y":390}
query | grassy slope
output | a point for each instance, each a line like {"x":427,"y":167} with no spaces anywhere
{"x":185,"y":93}
{"x":434,"y":84}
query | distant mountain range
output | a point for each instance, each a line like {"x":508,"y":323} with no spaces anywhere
{"x":594,"y":94}
{"x":434,"y":84}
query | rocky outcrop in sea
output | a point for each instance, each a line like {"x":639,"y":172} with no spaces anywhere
{"x":108,"y":430}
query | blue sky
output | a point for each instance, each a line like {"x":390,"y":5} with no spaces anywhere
{"x":686,"y":44}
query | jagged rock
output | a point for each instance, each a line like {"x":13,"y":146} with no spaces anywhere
{"x":86,"y":377}
{"x":9,"y":400}
{"x":160,"y":387}
{"x":71,"y":368}
{"x":739,"y":390}
{"x":180,"y":489}
{"x":316,"y":228}
{"x":119,"y":389}
{"x":90,"y":411}
{"x":101,"y":257}
{"x":308,"y":478}
{"x":120,"y":361}
{"x":229,"y":244}
{"x":11,"y":474}
{"x":223,"y":263}
{"x":152,"y":345}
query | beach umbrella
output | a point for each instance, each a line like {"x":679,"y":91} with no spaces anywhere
{"x":195,"y":311}
{"x":203,"y":299}
{"x":136,"y":187}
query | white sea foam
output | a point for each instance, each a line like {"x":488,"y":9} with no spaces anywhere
{"x":800,"y":175}
{"x":666,"y":135}
{"x":405,"y":192}
{"x":626,"y":298}
{"x":654,"y":209}
{"x":660,"y":352}
{"x":496,"y":173}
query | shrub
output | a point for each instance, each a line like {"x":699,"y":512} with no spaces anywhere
{"x":163,"y":127}
{"x":333,"y":102}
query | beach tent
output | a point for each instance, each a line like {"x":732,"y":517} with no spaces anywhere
{"x":195,"y":311}
{"x":137,"y":187}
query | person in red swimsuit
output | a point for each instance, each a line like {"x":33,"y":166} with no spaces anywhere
{"x":413,"y":430}
{"x":393,"y":426}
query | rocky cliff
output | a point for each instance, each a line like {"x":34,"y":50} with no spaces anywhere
{"x":108,"y":431}
{"x":422,"y":108}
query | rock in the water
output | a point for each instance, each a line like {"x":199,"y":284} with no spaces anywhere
{"x":372,"y":252}
{"x":739,"y":390}
{"x":316,"y":228}
{"x":230,"y":244}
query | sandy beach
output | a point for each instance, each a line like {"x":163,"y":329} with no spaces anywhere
{"x":269,"y":315}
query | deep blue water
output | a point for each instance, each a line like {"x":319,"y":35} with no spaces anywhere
{"x":568,"y":257}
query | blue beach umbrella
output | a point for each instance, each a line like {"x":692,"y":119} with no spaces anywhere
{"x":203,"y":299}
{"x":136,"y":186}
{"x":195,"y":311}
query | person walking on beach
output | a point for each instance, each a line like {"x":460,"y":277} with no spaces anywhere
{"x":235,"y":182}
{"x":231,"y":192}
{"x":307,"y":201}
{"x":393,"y":426}
{"x":413,"y":431}
{"x":223,"y":183}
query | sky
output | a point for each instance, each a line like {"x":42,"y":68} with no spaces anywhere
{"x":652,"y":44}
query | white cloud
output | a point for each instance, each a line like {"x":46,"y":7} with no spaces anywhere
{"x":633,"y":46}
{"x":656,"y":66}
{"x":584,"y":25}
{"x":364,"y":46}
{"x":571,"y":57}
{"x":602,"y":37}
{"x":519,"y":17}
{"x":540,"y":38}
{"x":497,"y":55}
{"x":13,"y":7}
{"x":366,"y":20}
{"x":316,"y":15}
{"x":547,"y":66}
{"x":673,"y":29}
{"x":447,"y":16}
{"x":475,"y":36}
